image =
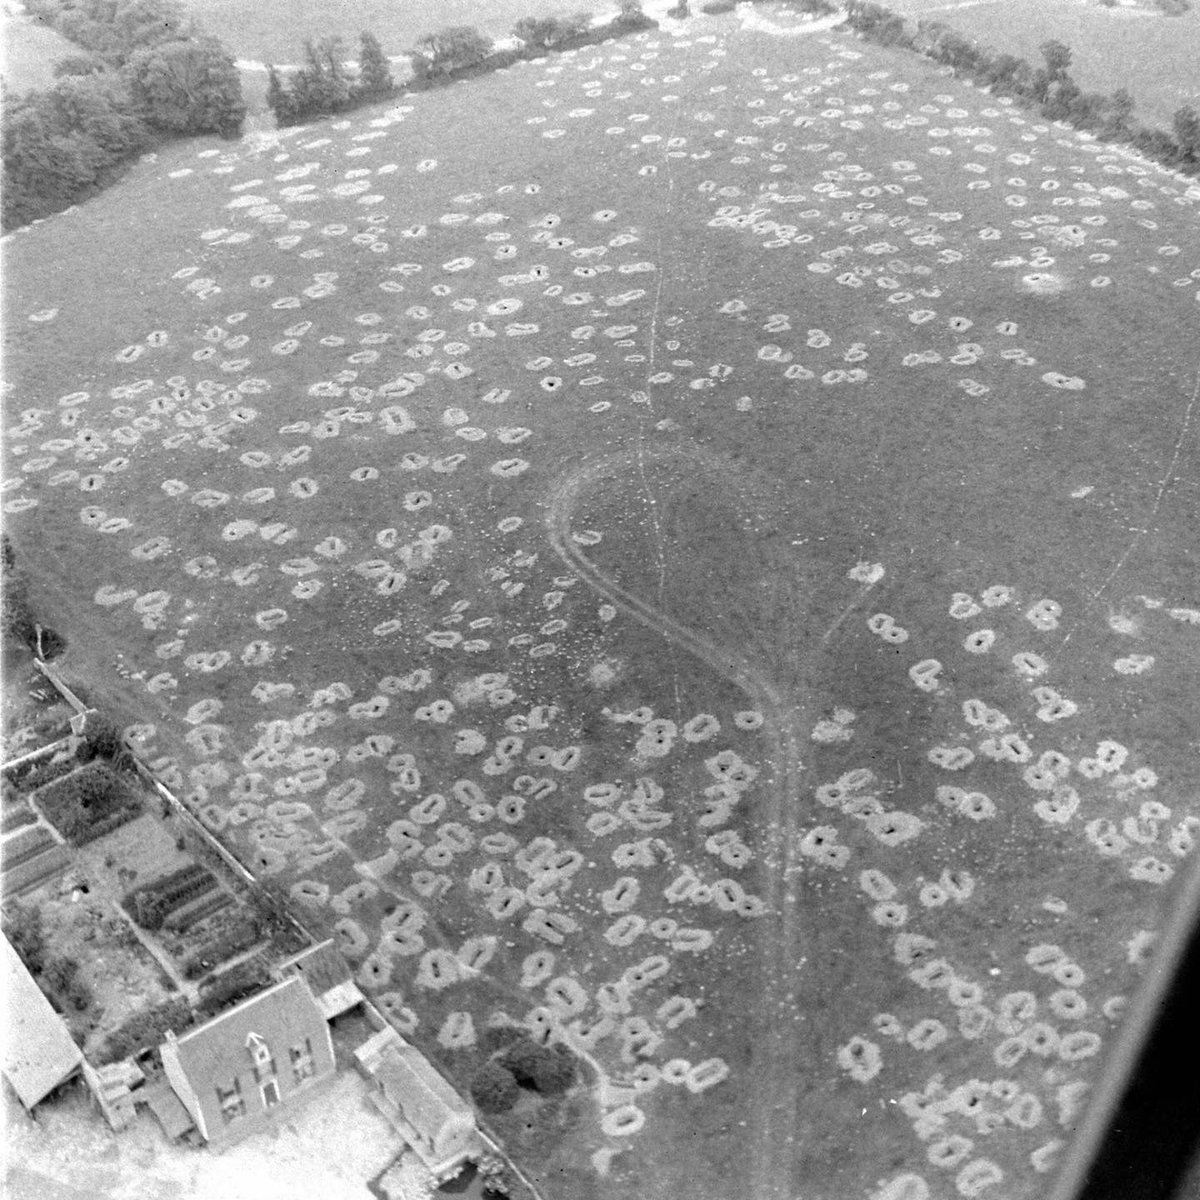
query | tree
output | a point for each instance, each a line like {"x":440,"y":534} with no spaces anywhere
{"x":374,"y":74}
{"x":1118,"y":115}
{"x":188,"y":88}
{"x":1186,"y":124}
{"x":279,"y":99}
{"x":321,"y":85}
{"x":538,"y":32}
{"x":1057,"y":56}
{"x":449,"y":49}
{"x":104,"y":738}
{"x":102,"y":108}
{"x":545,"y":1069}
{"x":494,"y":1088}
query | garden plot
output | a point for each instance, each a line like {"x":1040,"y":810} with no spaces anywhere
{"x":663,"y":580}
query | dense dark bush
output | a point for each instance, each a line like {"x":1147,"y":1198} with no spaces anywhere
{"x":548,"y":1070}
{"x":494,"y":1088}
{"x":187,"y":87}
{"x":146,"y":1029}
{"x":25,"y":931}
{"x":92,"y":801}
{"x":102,"y":738}
{"x":232,"y":986}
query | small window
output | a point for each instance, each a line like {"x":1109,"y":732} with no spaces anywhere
{"x":264,"y":1063}
{"x":233,"y":1103}
{"x":302,"y":1061}
{"x":270,"y":1093}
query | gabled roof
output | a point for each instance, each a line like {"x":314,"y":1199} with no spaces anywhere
{"x":282,"y":1015}
{"x":327,"y":973}
{"x":322,"y":966}
{"x":38,"y":1053}
{"x":409,"y":1081}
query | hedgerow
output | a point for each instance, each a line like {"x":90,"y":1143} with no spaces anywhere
{"x":324,"y":86}
{"x":146,"y":1029}
{"x":150,"y":77}
{"x":1050,"y":87}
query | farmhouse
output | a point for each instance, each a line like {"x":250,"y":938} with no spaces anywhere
{"x":233,"y":1071}
{"x":39,"y":1053}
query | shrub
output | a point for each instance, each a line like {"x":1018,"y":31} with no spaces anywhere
{"x":188,"y":87}
{"x":548,"y":1070}
{"x":146,"y":1029}
{"x":61,"y":976}
{"x":234,"y":985}
{"x":279,"y":99}
{"x":632,"y":18}
{"x":449,"y":49}
{"x":494,"y":1088}
{"x":538,"y":32}
{"x":24,"y":929}
{"x":680,"y":10}
{"x":714,"y":7}
{"x":152,"y":904}
{"x":102,"y":738}
{"x":92,"y":801}
{"x":47,"y":772}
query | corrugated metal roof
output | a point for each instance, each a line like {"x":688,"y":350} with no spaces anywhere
{"x":38,"y":1052}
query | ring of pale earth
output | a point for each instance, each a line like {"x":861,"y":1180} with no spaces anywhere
{"x":685,"y":544}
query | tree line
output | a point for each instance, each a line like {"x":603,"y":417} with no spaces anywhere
{"x":1049,"y":87}
{"x":146,"y":76}
{"x":326,"y":84}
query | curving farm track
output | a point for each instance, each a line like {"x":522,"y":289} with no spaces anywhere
{"x":776,"y":1065}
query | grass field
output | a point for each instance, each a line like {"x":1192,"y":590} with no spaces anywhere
{"x":1137,"y":48}
{"x":689,"y":555}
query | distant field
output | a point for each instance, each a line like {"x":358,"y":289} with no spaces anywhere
{"x":686,"y":545}
{"x":1154,"y":56}
{"x":276,"y":33}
